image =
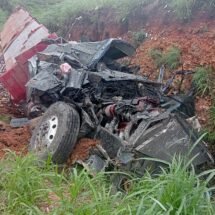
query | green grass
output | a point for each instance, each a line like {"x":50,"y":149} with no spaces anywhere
{"x":210,"y":137}
{"x":170,"y":59}
{"x":5,"y":118}
{"x":204,"y":84}
{"x":3,"y":16}
{"x":157,"y":55}
{"x":182,"y":8}
{"x":138,"y":38}
{"x":202,"y":80}
{"x":55,"y":13}
{"x":27,"y":188}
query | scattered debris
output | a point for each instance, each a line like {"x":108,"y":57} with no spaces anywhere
{"x":18,"y":122}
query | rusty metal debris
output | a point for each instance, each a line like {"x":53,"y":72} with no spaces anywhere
{"x":83,"y":91}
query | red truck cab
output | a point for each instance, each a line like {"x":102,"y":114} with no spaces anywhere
{"x":21,"y":38}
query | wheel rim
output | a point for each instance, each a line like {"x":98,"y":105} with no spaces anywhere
{"x":46,"y":133}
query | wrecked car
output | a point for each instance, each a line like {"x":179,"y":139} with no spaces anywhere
{"x":81,"y":90}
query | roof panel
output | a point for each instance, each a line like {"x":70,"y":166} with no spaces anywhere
{"x":13,"y":26}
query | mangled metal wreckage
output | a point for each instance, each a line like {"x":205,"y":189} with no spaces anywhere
{"x":84,"y":92}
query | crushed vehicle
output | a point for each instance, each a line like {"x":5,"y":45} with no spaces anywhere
{"x":84,"y":91}
{"x":81,"y":90}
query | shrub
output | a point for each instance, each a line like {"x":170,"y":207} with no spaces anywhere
{"x":170,"y":59}
{"x":138,"y":37}
{"x":157,"y":56}
{"x":210,"y":137}
{"x":202,"y":80}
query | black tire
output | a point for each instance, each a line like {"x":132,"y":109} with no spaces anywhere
{"x":66,"y":128}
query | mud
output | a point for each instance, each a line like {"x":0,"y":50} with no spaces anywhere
{"x":11,"y":139}
{"x":202,"y":108}
{"x":7,"y":107}
{"x":82,"y":150}
{"x":197,"y":45}
{"x":14,"y":140}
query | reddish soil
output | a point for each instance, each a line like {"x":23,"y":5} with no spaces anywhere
{"x":202,"y":108}
{"x":13,"y":139}
{"x":196,"y":42}
{"x":7,"y":107}
{"x":82,"y":150}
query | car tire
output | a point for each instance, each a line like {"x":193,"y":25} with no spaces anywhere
{"x":56,"y":133}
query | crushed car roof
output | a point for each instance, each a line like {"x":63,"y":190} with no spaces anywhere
{"x":90,"y":53}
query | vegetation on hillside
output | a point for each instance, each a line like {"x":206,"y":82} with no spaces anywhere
{"x":184,"y":9}
{"x":55,"y":13}
{"x":203,"y":80}
{"x":138,"y":38}
{"x":3,"y":16}
{"x":170,"y":59}
{"x":26,"y":188}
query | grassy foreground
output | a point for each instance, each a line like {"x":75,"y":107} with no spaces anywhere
{"x":26,"y":188}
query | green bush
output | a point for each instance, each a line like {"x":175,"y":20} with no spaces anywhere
{"x":157,"y":56}
{"x":210,"y":137}
{"x":202,"y":81}
{"x":170,"y":59}
{"x":138,"y":38}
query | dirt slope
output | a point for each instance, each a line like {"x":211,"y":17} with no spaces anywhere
{"x":196,"y":41}
{"x":11,"y":139}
